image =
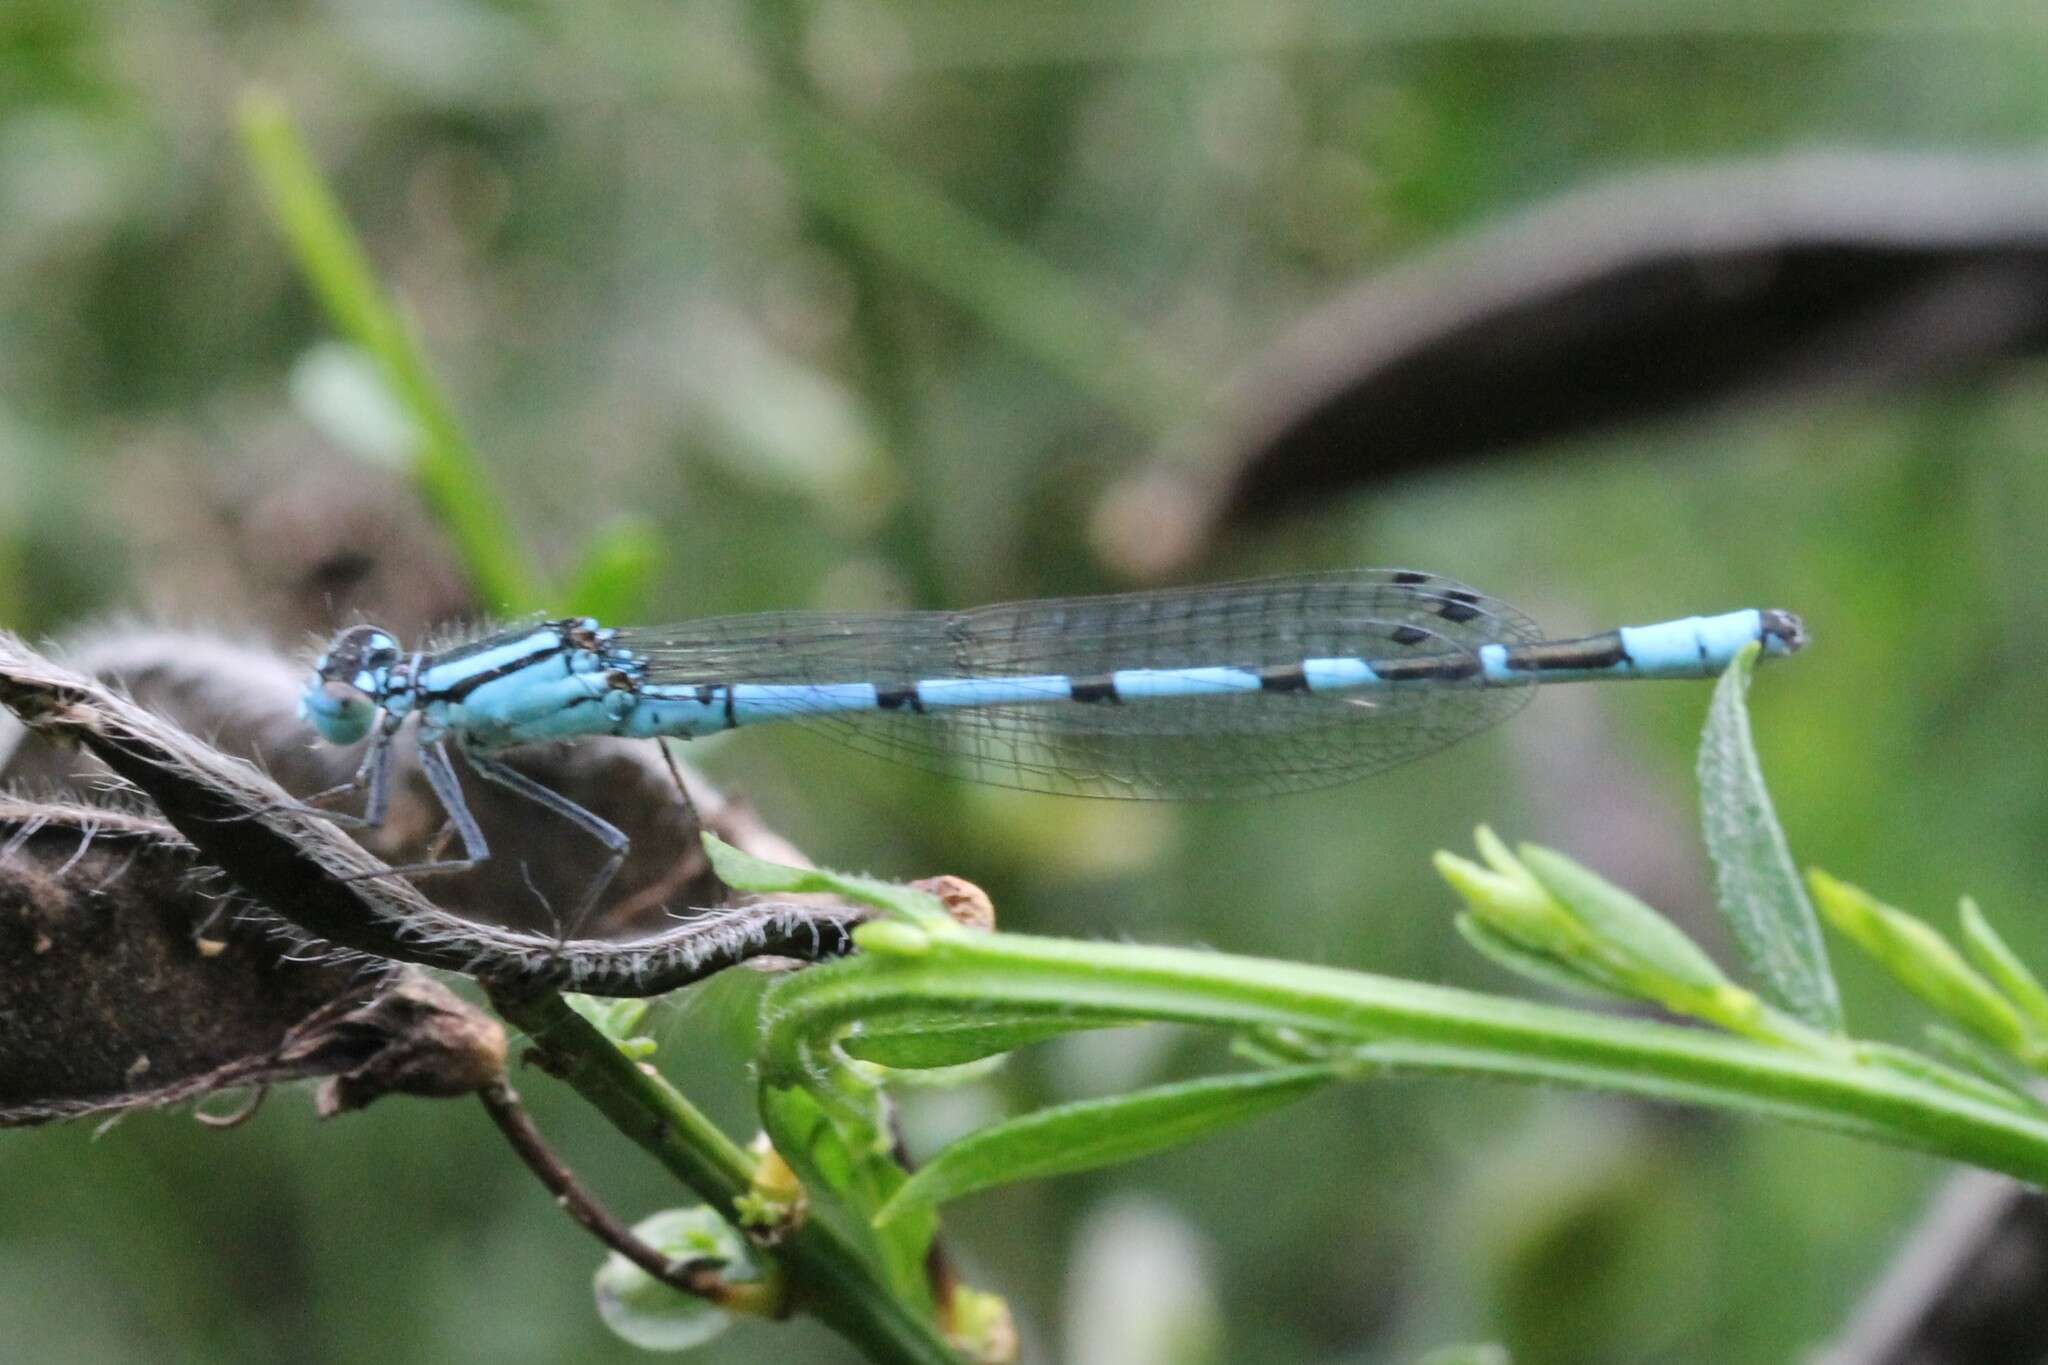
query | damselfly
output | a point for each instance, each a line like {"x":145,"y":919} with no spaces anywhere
{"x":1250,"y":688}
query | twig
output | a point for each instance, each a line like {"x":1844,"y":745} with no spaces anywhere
{"x":828,"y":1277}
{"x":702,"y":1278}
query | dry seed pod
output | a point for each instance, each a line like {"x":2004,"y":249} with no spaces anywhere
{"x":129,"y":977}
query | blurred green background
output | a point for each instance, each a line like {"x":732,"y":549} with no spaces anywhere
{"x":865,"y":304}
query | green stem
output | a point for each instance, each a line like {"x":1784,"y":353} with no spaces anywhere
{"x":826,"y":1276}
{"x":446,"y":470}
{"x":1016,"y":294}
{"x":1405,"y":1024}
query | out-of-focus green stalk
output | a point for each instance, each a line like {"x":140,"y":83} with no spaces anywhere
{"x":618,"y":565}
{"x":1016,"y":294}
{"x":445,"y":469}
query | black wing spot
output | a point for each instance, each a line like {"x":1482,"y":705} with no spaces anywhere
{"x":1408,"y":577}
{"x":1408,"y":635}
{"x":1459,"y":606}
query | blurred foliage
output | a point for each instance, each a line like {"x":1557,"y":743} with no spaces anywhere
{"x":860,"y":304}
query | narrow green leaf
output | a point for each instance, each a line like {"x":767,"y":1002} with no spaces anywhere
{"x":445,"y":469}
{"x":1989,"y":950}
{"x":1920,"y":959}
{"x":1967,"y":1082}
{"x":744,"y":872}
{"x":1409,"y":1023}
{"x":1573,"y":978}
{"x":1985,"y":1062}
{"x":326,"y":249}
{"x":953,"y":1040}
{"x":1754,"y":878}
{"x":1511,"y":902}
{"x":1019,"y":296}
{"x":617,"y":1019}
{"x":1092,"y":1133}
{"x":1500,"y":857}
{"x":1623,"y":924}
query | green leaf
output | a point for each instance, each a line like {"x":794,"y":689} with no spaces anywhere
{"x":657,"y":1317}
{"x":1622,"y":924}
{"x":1920,"y":959}
{"x":1092,"y":1133}
{"x":1273,"y":1048}
{"x":618,"y":568}
{"x":617,"y":1019}
{"x":1999,"y":962}
{"x":1984,"y":1062}
{"x":1754,"y":878}
{"x":1967,"y":1082}
{"x":1415,"y":1025}
{"x":1573,"y":978}
{"x":1510,"y":901}
{"x":952,"y":1040}
{"x":744,"y":872}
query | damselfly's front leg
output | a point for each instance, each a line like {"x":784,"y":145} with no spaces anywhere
{"x":374,"y":772}
{"x":440,"y":775}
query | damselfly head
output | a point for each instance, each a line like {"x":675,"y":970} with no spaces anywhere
{"x":348,"y":683}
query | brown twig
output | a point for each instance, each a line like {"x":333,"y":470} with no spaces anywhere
{"x":702,"y":1278}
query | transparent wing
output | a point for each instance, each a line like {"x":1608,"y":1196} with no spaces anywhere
{"x":1246,"y":743}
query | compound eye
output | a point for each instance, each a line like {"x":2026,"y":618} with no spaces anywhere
{"x":357,"y":652}
{"x":340,"y":712}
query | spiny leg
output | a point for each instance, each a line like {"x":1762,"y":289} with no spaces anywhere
{"x":591,"y":823}
{"x":373,"y":772}
{"x":367,"y":773}
{"x":376,"y":770}
{"x":440,"y":775}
